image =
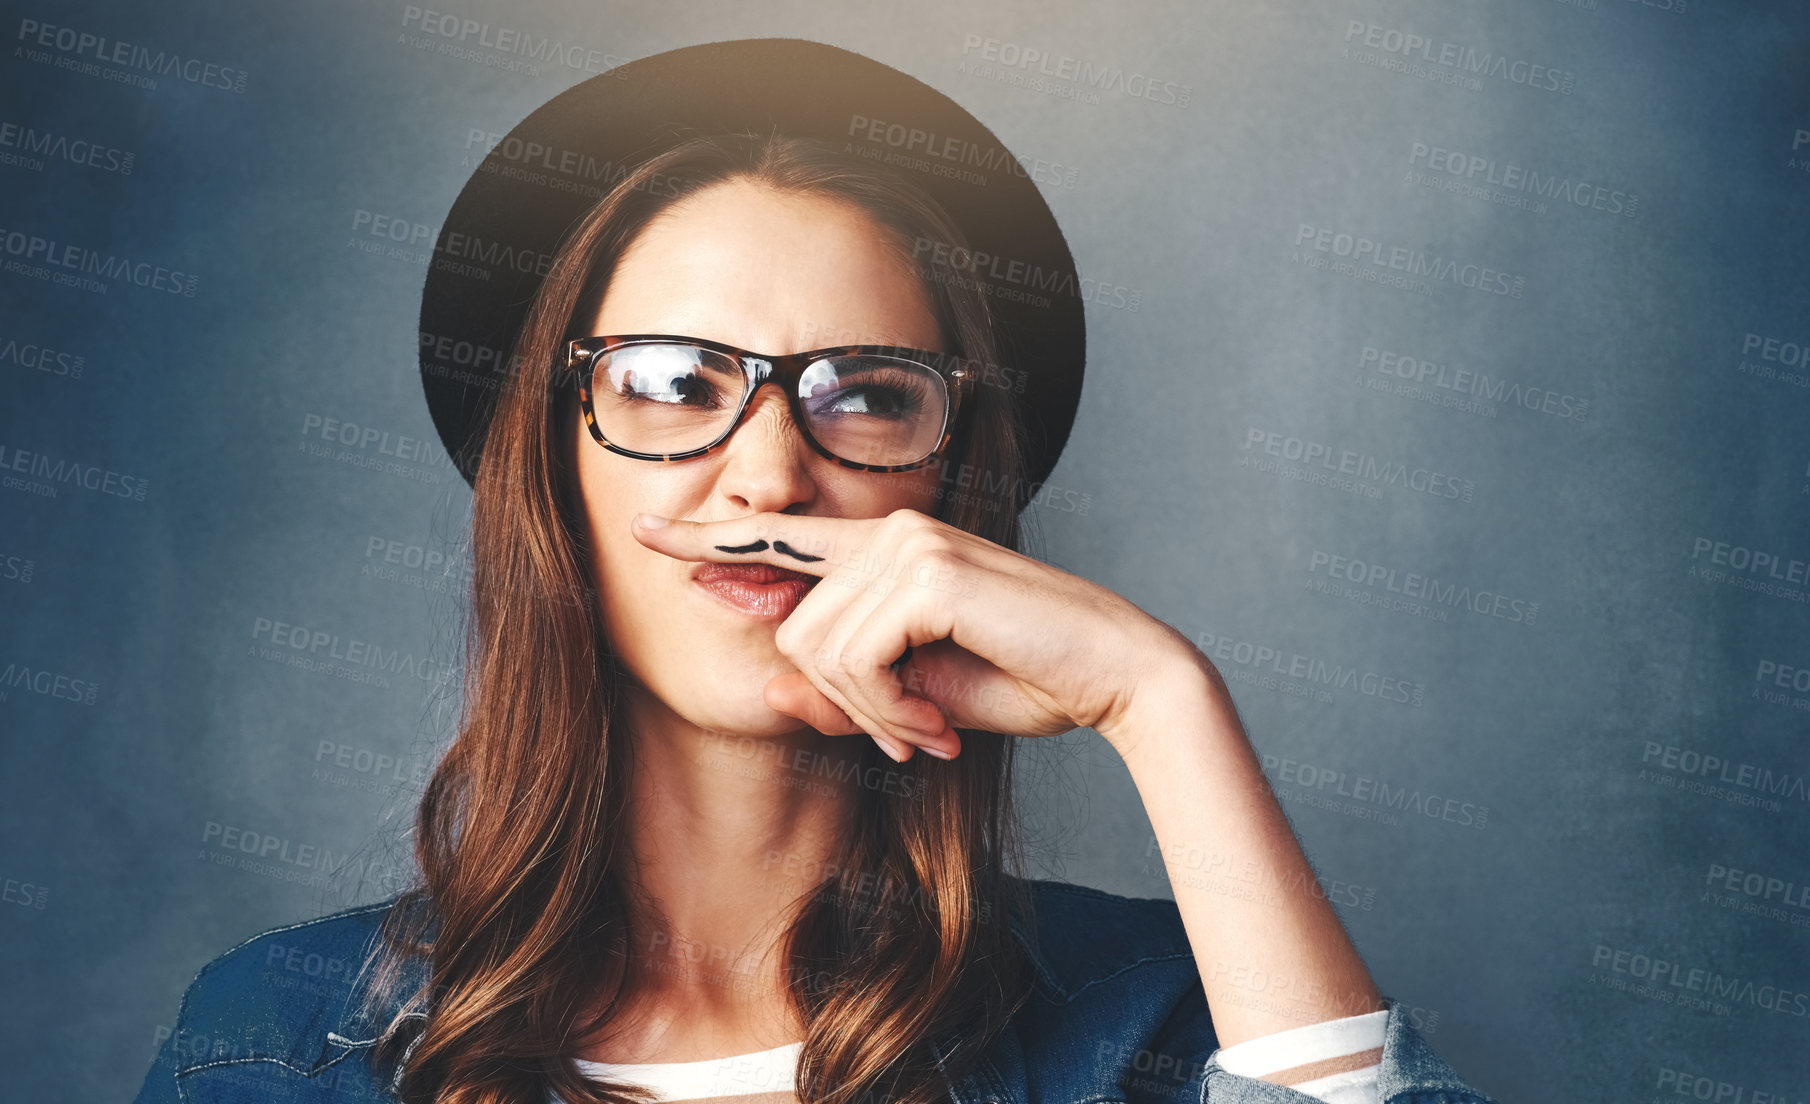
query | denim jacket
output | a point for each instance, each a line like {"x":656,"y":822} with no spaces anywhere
{"x":1118,"y":1015}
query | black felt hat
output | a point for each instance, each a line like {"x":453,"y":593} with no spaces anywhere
{"x":537,"y":182}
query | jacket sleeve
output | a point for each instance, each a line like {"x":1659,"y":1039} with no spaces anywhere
{"x":1412,"y":1073}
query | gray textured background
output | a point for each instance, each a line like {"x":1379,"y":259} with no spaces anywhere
{"x":117,"y":886}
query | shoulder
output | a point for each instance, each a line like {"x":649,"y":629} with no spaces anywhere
{"x":1118,"y":996}
{"x":1082,"y":937}
{"x":280,"y":994}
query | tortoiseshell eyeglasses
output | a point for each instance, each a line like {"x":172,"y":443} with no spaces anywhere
{"x":882,"y":408}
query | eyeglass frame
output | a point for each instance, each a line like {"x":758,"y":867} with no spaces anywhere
{"x":759,"y":369}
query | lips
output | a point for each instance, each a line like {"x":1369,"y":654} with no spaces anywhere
{"x":754,"y":573}
{"x":760,"y":590}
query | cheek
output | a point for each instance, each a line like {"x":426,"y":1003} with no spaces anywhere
{"x":612,"y":490}
{"x":601,"y":495}
{"x":610,"y":497}
{"x":918,"y":490}
{"x":875,"y":494}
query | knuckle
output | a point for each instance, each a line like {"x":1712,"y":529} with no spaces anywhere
{"x":785,"y":638}
{"x":940,"y":557}
{"x":906,"y":523}
{"x":832,"y":691}
{"x":856,"y":664}
{"x":918,"y":544}
{"x":934,"y":566}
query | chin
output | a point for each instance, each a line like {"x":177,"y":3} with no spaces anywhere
{"x":735,"y":705}
{"x":750,"y":718}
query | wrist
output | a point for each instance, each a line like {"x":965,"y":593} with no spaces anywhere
{"x":1179,"y":696}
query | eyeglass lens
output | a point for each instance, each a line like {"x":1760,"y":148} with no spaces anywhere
{"x":672,"y":398}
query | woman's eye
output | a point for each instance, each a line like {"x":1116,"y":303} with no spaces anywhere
{"x":694,"y":391}
{"x":678,"y":391}
{"x":867,"y":400}
{"x":873,"y":400}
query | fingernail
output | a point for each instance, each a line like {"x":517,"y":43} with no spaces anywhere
{"x":650,"y":521}
{"x":936,"y":751}
{"x":891,"y":748}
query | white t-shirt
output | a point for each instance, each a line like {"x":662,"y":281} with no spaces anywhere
{"x":758,"y":1077}
{"x":765,"y":1076}
{"x":1281,"y":1050}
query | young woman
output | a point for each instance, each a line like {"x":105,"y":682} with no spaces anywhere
{"x":685,"y":846}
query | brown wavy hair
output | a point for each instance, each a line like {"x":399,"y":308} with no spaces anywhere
{"x":522,"y":910}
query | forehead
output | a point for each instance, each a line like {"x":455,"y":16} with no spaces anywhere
{"x":772,"y":271}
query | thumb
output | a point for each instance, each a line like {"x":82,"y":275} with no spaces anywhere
{"x":793,"y":695}
{"x":971,"y":692}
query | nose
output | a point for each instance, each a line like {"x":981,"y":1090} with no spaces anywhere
{"x":766,"y":461}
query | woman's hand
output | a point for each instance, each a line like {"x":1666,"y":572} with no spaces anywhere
{"x":998,"y":641}
{"x":1004,"y":643}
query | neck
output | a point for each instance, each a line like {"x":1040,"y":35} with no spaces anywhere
{"x":726,"y":834}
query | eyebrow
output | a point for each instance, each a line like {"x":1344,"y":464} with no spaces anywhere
{"x":892,"y":340}
{"x":886,"y":338}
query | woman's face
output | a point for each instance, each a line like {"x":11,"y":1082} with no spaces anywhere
{"x":774,"y":272}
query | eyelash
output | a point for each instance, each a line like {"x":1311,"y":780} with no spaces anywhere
{"x":907,"y":393}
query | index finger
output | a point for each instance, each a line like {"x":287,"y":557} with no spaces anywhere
{"x":811,"y":543}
